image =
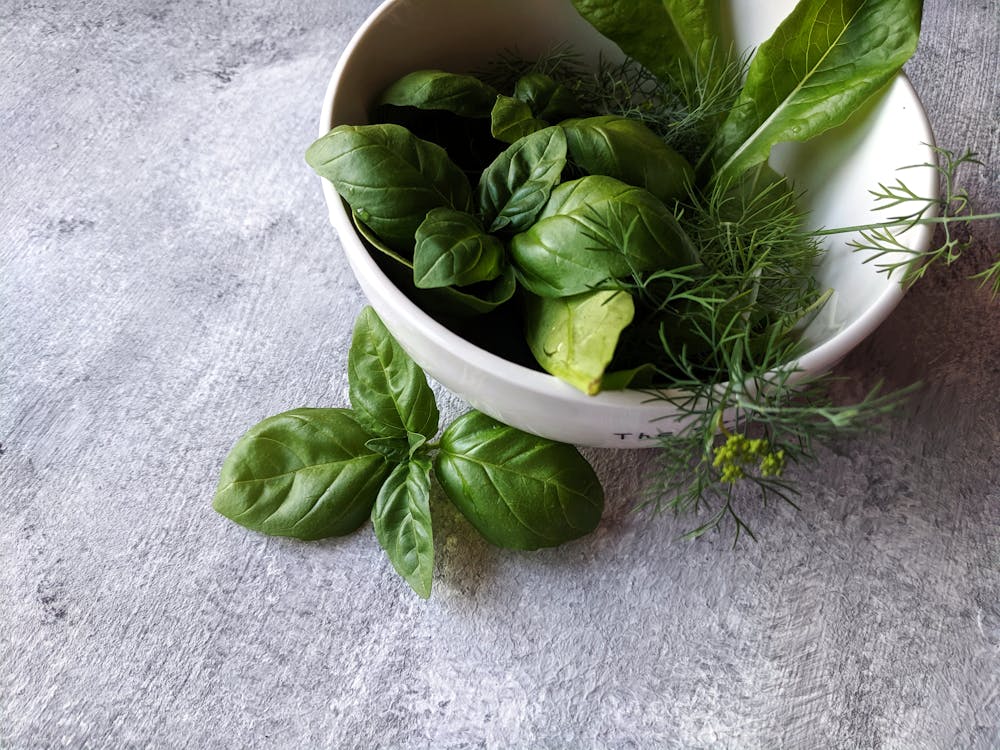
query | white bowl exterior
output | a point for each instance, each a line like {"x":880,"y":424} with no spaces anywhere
{"x":836,"y":170}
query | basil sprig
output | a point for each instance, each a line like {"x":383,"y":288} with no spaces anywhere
{"x":315,"y":473}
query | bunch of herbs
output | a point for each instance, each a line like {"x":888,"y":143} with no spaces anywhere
{"x":314,"y":473}
{"x":625,"y":222}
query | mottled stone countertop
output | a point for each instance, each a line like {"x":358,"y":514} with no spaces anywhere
{"x":169,"y":278}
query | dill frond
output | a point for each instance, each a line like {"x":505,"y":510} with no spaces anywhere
{"x":562,"y":64}
{"x":951,"y":212}
{"x":726,"y":338}
{"x":745,"y":434}
{"x":755,"y":281}
{"x":990,"y":277}
{"x":684,"y":109}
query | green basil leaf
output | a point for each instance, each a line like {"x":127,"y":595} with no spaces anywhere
{"x":402,"y":521}
{"x":628,"y":151}
{"x":468,"y":140}
{"x":821,"y":64}
{"x":595,"y":229}
{"x":512,"y":119}
{"x":635,"y":377}
{"x":395,"y":449}
{"x":446,"y":302}
{"x":375,"y":241}
{"x":477,"y":299}
{"x":389,"y":392}
{"x":435,"y":89}
{"x":515,"y":187}
{"x":390,"y":178}
{"x":548,"y":99}
{"x":416,"y":442}
{"x":520,"y":491}
{"x":660,"y":34}
{"x":453,"y":250}
{"x":305,"y":473}
{"x":574,"y":338}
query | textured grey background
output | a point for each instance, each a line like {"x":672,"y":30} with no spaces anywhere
{"x":169,"y":278}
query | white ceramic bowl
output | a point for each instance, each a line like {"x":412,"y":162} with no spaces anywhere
{"x":836,"y":170}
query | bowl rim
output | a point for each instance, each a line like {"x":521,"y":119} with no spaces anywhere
{"x":813,"y":362}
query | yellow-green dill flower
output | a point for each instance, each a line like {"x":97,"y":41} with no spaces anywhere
{"x":732,"y":473}
{"x":773,"y":464}
{"x":739,"y":453}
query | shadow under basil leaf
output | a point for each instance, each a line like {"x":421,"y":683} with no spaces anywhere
{"x":463,"y":559}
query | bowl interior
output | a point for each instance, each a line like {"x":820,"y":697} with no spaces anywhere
{"x":834,"y":171}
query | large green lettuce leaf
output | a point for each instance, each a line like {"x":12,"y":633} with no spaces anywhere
{"x":660,"y":34}
{"x":822,"y":63}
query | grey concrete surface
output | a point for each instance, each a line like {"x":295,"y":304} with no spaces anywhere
{"x":169,"y":278}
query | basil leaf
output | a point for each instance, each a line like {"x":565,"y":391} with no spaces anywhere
{"x":468,"y":140}
{"x":389,"y":392}
{"x":636,"y":377}
{"x":477,"y":299}
{"x":512,"y":119}
{"x":435,"y":89}
{"x":305,"y":473}
{"x":660,"y":34}
{"x":415,"y":441}
{"x":595,"y":229}
{"x":369,"y":236}
{"x":402,"y":521}
{"x":574,"y":338}
{"x":471,"y":301}
{"x":822,"y":63}
{"x":515,"y":187}
{"x":548,"y":99}
{"x":451,"y":302}
{"x":519,"y":491}
{"x":453,"y":250}
{"x":629,"y":151}
{"x":390,"y":178}
{"x":395,"y":449}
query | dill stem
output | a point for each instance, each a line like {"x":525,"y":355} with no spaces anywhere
{"x":903,"y":222}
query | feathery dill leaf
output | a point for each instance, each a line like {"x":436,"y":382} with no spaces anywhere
{"x":755,"y":279}
{"x":724,"y":337}
{"x":745,"y":432}
{"x":562,"y":64}
{"x":684,"y":110}
{"x":951,"y":212}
